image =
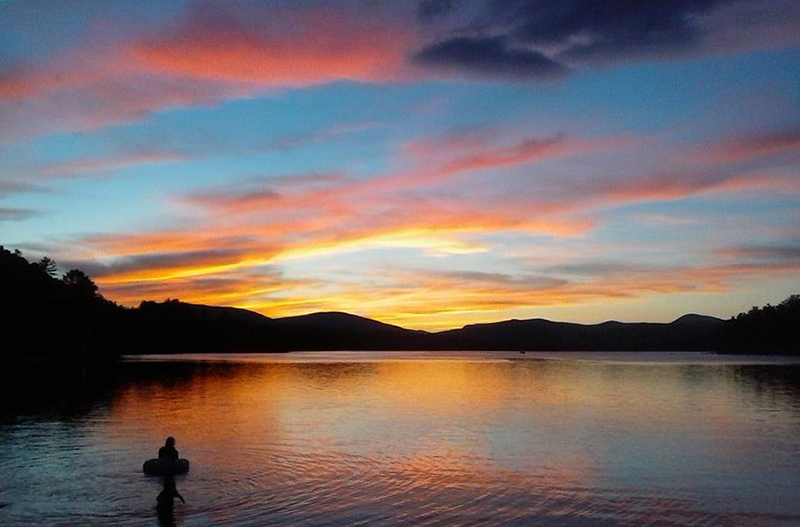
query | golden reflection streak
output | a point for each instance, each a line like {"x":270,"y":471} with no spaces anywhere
{"x":268,"y":402}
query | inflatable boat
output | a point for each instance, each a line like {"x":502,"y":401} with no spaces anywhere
{"x":160,"y":467}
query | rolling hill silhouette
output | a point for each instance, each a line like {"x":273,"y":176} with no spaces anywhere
{"x":47,"y":318}
{"x":176,"y":326}
{"x":690,"y":332}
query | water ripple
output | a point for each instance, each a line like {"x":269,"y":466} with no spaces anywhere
{"x":419,"y":444}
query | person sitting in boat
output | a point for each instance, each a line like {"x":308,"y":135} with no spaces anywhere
{"x":168,"y":452}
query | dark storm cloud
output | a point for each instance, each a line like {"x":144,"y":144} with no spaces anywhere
{"x":488,"y":57}
{"x":429,"y":9}
{"x":543,"y":38}
{"x":608,"y":29}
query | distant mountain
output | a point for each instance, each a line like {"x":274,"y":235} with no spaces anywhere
{"x":207,"y":313}
{"x":338,"y":320}
{"x":176,"y":326}
{"x":334,"y":330}
{"x":46,"y":318}
{"x":690,"y":332}
{"x":698,"y":320}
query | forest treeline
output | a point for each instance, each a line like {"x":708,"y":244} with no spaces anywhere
{"x":51,"y":318}
{"x":768,"y":329}
{"x":47,"y":317}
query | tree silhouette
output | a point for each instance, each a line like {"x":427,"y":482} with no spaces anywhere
{"x":768,"y":329}
{"x":80,"y":282}
{"x":48,"y":265}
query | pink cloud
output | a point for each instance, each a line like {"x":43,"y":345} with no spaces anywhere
{"x":275,"y":46}
{"x":209,"y":52}
{"x":109,"y":99}
{"x":247,"y":230}
{"x":15,"y":86}
{"x":342,"y":211}
{"x":455,"y":141}
{"x":134,"y":59}
{"x":753,"y":146}
{"x":371,"y":201}
{"x":89,"y":166}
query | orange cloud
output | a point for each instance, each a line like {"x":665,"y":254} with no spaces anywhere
{"x":266,"y":222}
{"x":187,"y":240}
{"x":436,"y":300}
{"x":225,"y":288}
{"x":422,"y":299}
{"x":279,"y":46}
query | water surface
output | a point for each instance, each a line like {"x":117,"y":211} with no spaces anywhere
{"x":402,"y":439}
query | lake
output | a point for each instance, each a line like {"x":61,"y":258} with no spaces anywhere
{"x":408,"y":439}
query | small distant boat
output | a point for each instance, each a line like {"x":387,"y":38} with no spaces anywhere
{"x":160,"y":467}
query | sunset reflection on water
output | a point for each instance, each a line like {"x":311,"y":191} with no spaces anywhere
{"x":403,"y":441}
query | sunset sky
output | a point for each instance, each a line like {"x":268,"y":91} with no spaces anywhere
{"x":425,"y":163}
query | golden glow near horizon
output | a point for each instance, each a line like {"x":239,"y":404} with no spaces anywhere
{"x":295,"y":157}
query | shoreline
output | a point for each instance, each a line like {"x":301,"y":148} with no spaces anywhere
{"x":611,"y":357}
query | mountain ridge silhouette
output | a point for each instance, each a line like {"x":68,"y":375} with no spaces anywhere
{"x":67,"y":319}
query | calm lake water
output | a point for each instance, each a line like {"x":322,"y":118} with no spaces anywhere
{"x":407,"y":439}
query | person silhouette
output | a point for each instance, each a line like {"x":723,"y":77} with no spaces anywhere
{"x":168,"y":452}
{"x":166,"y":502}
{"x":166,"y":498}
